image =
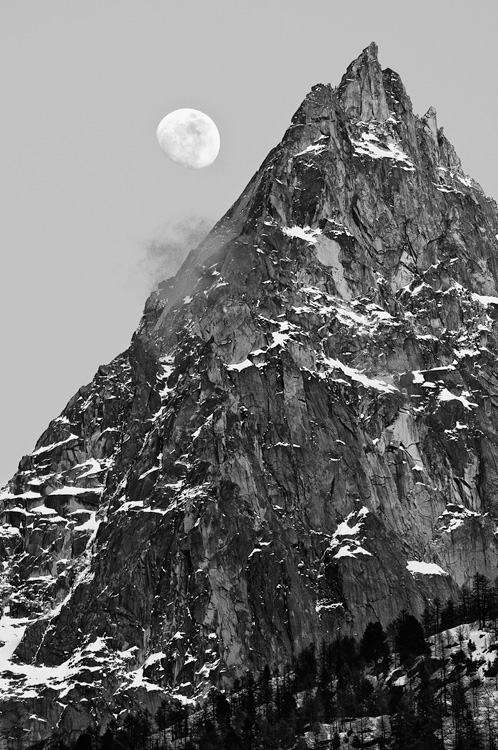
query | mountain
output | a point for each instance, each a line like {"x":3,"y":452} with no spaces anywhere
{"x":301,"y":438}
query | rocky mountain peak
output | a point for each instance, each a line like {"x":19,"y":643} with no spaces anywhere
{"x":361,"y":91}
{"x":300,"y":439}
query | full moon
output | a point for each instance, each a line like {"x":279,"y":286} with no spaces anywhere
{"x":189,"y":137}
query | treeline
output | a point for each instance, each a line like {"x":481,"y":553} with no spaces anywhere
{"x":330,"y":685}
{"x":347,"y":685}
{"x":478,"y":602}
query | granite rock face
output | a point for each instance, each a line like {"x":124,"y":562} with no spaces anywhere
{"x":301,"y":438}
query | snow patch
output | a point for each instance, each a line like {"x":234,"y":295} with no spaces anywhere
{"x":327,"y":252}
{"x":455,"y":516}
{"x":430,"y":569}
{"x":149,"y":471}
{"x":198,"y":431}
{"x":28,"y":495}
{"x":446,"y":395}
{"x":325,"y":604}
{"x":93,"y":468}
{"x":484,"y":300}
{"x":346,"y":540}
{"x":90,"y":525}
{"x":379,"y":385}
{"x":52,"y":446}
{"x":403,"y":433}
{"x":367,"y":146}
{"x":350,"y":550}
{"x":303,"y":233}
{"x":71,"y":490}
{"x":167,"y":368}
{"x":461,"y":353}
{"x":315,"y":148}
{"x":154,"y":658}
{"x":241,"y":365}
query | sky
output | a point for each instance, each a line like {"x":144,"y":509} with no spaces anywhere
{"x":93,"y":215}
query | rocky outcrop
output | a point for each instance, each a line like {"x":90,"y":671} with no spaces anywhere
{"x":300,"y":439}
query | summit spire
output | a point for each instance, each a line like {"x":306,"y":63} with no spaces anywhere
{"x":361,"y":90}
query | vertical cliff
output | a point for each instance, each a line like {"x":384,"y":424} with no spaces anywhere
{"x":301,"y":438}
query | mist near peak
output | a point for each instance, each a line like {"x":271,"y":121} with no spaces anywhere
{"x":165,"y":253}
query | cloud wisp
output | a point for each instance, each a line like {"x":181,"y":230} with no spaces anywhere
{"x":165,"y":253}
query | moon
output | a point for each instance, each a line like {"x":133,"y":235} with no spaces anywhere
{"x":189,"y":138}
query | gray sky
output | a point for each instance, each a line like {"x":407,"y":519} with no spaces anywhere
{"x":88,"y":199}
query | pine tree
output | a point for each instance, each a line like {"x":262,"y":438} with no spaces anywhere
{"x":210,"y":737}
{"x":221,"y":709}
{"x":448,"y":615}
{"x":491,"y":729}
{"x":466,"y":611}
{"x":136,"y":730}
{"x":249,"y":699}
{"x":409,"y":639}
{"x":404,"y":723}
{"x":480,"y":598}
{"x":312,"y":709}
{"x":373,"y":645}
{"x":325,"y":683}
{"x":428,"y":711}
{"x":467,"y":734}
{"x":265,"y":686}
{"x":161,"y":718}
{"x":437,"y":614}
{"x":305,"y":670}
{"x":286,"y":703}
{"x":231,"y":740}
{"x":428,"y":620}
{"x":107,"y":740}
{"x":84,"y":742}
